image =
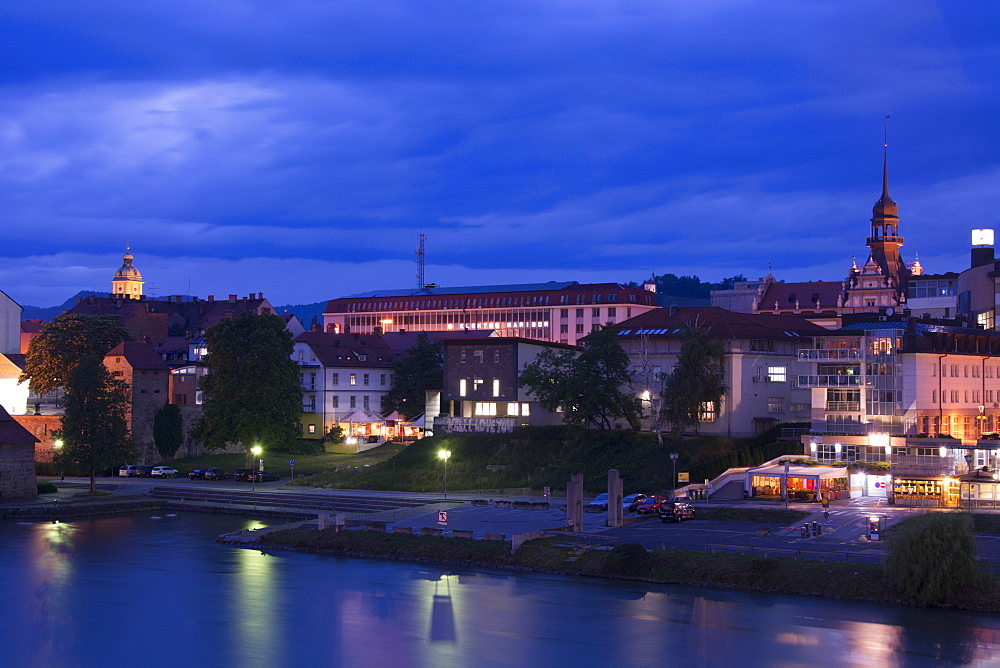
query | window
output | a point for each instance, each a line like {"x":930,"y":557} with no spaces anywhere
{"x":365,"y":402}
{"x":564,"y":312}
{"x":335,"y":403}
{"x":496,"y":356}
{"x":462,"y":387}
{"x":709,"y":413}
{"x":775,"y":404}
{"x":933,"y":396}
{"x":335,"y":379}
{"x":563,"y":329}
{"x":365,"y":379}
{"x":478,"y":355}
{"x":496,"y":387}
{"x":486,"y":409}
{"x":579,"y":313}
{"x":381,"y":379}
{"x":579,"y":329}
{"x":612,"y":312}
{"x":476,"y":383}
{"x":595,"y":312}
{"x":826,"y":451}
{"x":354,"y":379}
{"x":512,"y":409}
{"x":354,"y":401}
{"x":311,"y":428}
{"x":462,"y":357}
{"x":776,"y":374}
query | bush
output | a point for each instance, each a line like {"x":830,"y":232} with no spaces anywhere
{"x":627,"y":559}
{"x":932,"y":557}
{"x":46,"y":487}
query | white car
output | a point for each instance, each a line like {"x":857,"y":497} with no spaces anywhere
{"x":164,"y":472}
{"x":600,"y":503}
{"x":630,"y":502}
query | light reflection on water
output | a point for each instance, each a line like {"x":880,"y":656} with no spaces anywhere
{"x":106,"y":591}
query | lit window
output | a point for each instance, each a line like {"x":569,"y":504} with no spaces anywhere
{"x":354,"y":379}
{"x":462,"y":388}
{"x":512,"y":409}
{"x":775,"y":404}
{"x":776,"y":374}
{"x":709,"y":413}
{"x":496,"y":387}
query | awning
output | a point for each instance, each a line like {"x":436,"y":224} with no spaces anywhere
{"x":801,"y":472}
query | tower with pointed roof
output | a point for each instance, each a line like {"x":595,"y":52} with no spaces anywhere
{"x":128,"y":281}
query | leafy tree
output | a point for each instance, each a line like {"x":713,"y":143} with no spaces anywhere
{"x":588,"y":386}
{"x":421,"y":369}
{"x":54,"y":353}
{"x":932,"y":556}
{"x":252,"y":393}
{"x":336,"y":434}
{"x":168,"y":430}
{"x":696,"y":380}
{"x":94,"y":429}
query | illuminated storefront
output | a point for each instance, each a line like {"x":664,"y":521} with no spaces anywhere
{"x":804,"y":483}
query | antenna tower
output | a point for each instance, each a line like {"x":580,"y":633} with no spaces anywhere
{"x":421,"y":238}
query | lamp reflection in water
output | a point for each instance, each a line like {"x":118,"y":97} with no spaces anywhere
{"x":255,"y":610}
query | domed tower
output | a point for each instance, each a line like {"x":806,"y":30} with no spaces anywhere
{"x":128,"y":281}
{"x":885,"y":241}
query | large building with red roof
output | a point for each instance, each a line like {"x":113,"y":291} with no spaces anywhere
{"x":555,"y":312}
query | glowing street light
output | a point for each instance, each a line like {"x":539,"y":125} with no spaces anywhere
{"x":58,"y":445}
{"x":445,"y":455}
{"x":256,"y":450}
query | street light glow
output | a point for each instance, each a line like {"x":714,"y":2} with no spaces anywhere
{"x":444,"y":454}
{"x":256,"y":450}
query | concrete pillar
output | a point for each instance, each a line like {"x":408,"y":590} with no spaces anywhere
{"x":574,"y":503}
{"x":322,"y":521}
{"x":614,"y":499}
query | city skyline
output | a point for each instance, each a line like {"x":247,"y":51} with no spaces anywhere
{"x":299,"y":153}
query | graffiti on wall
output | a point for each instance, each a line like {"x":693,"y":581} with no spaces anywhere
{"x":474,"y":425}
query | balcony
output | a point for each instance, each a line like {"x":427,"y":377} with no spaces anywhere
{"x":818,"y":355}
{"x":829,"y":381}
{"x":843,"y":405}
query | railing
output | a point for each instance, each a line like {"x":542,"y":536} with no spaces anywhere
{"x":820,"y":355}
{"x":843,"y":405}
{"x":829,"y":381}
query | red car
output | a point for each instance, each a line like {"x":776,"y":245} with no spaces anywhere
{"x":650,"y":505}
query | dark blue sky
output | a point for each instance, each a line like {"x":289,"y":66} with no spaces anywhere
{"x":299,"y":148}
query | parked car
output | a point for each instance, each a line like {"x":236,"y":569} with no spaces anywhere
{"x":600,"y":503}
{"x":632,"y":501}
{"x":123,"y":471}
{"x":266,"y":476}
{"x":243,"y":475}
{"x":650,"y":505}
{"x":676,"y":511}
{"x":215,"y":473}
{"x":142,"y":471}
{"x":197,"y":474}
{"x":164,"y":472}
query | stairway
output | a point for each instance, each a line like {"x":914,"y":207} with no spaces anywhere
{"x":731,"y":491}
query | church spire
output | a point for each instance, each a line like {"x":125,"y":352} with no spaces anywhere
{"x":885,"y":241}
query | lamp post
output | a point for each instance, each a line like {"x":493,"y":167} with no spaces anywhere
{"x":673,"y":480}
{"x":256,"y":450}
{"x":58,"y":445}
{"x":445,"y":455}
{"x":968,"y":476}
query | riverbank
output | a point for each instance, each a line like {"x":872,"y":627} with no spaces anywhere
{"x":770,"y":575}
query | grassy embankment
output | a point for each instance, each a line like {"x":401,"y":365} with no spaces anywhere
{"x":773,"y":575}
{"x":531,"y":458}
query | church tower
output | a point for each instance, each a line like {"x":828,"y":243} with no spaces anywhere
{"x":128,"y":281}
{"x":885,"y":241}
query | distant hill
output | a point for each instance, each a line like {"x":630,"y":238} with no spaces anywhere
{"x":48,"y":312}
{"x":304,"y":312}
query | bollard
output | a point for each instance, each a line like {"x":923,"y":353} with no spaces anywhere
{"x":816,"y":530}
{"x":805,"y":531}
{"x":322,"y":521}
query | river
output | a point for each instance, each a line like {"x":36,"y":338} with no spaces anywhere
{"x":144,"y":590}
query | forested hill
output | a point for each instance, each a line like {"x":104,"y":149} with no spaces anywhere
{"x":687,"y":290}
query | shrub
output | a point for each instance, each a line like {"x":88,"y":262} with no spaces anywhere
{"x":627,"y":559}
{"x":46,"y":487}
{"x":932,"y":556}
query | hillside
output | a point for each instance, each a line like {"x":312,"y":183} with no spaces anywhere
{"x":533,"y":457}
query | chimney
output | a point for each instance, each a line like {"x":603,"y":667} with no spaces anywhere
{"x":232,"y":298}
{"x":377,"y":331}
{"x":673,"y":309}
{"x":316,"y":327}
{"x":981,"y":255}
{"x":211,"y":298}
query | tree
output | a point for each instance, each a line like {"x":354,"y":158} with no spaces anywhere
{"x":588,"y":386}
{"x":168,"y":430}
{"x":421,"y":369}
{"x":94,"y":429}
{"x":252,"y":394}
{"x":53,"y":354}
{"x":932,"y":556}
{"x":697,"y":380}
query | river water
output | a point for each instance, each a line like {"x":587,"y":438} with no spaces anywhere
{"x":141,"y":590}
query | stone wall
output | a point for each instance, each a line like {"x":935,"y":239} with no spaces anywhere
{"x":41,"y":426}
{"x":17,"y":472}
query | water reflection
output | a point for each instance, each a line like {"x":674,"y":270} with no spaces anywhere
{"x":93,"y":592}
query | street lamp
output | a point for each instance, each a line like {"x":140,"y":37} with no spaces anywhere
{"x":673,"y":480}
{"x":445,"y":455}
{"x":58,"y":445}
{"x":256,"y":450}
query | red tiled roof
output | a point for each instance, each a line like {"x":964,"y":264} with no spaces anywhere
{"x":138,"y":355}
{"x":785,"y":294}
{"x":719,"y":322}
{"x":32,"y":326}
{"x":344,"y":350}
{"x":11,"y":432}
